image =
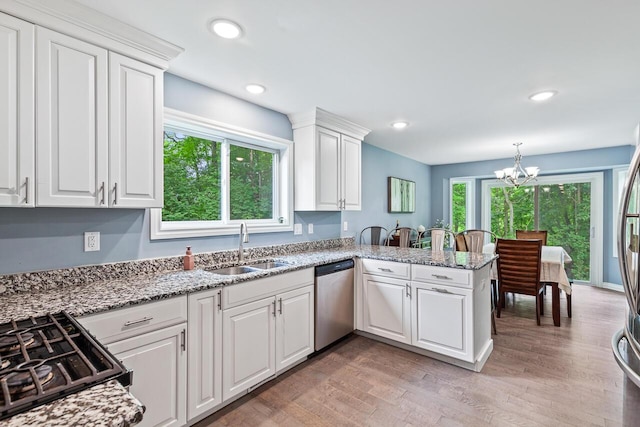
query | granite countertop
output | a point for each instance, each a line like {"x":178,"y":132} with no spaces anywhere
{"x":78,"y":299}
{"x":109,"y":404}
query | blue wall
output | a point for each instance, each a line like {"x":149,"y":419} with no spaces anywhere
{"x":603,"y":159}
{"x":377,"y":165}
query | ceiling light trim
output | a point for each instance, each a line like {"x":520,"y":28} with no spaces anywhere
{"x":400,"y":124}
{"x":543,"y":95}
{"x":229,"y":24}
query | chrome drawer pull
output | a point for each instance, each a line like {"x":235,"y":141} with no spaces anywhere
{"x":183,"y":340}
{"x":26,"y":185}
{"x":442,"y":277}
{"x":442,"y":291}
{"x":386,"y":270}
{"x":135,"y":322}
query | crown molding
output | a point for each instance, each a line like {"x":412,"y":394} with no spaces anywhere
{"x":77,"y":20}
{"x":320,"y":117}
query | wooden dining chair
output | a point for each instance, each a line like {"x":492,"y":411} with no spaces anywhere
{"x":404,"y":235}
{"x":373,"y":235}
{"x":439,"y":238}
{"x":533,"y":234}
{"x":519,"y":267}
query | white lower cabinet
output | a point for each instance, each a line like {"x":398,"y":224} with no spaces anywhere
{"x":205,"y":352}
{"x":294,"y":326}
{"x":441,"y":319}
{"x":159,"y":365}
{"x":386,"y":307}
{"x":150,"y":339}
{"x":248,"y":345}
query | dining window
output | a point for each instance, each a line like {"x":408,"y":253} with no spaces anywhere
{"x":569,"y":207}
{"x":462,"y":192}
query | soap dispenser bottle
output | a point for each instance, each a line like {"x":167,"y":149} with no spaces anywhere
{"x":188,"y":259}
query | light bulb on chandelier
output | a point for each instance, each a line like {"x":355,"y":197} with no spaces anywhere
{"x":517,"y":175}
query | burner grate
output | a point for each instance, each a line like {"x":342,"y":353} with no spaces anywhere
{"x":48,"y":357}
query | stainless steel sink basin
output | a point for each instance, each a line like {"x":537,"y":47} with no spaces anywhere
{"x":229,"y":271}
{"x":267,"y":265}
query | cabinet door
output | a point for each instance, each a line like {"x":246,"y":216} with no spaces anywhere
{"x":248,"y":346}
{"x":350,"y":173}
{"x":294,"y":327}
{"x":135,"y":133}
{"x":442,"y":320}
{"x":327,"y":169}
{"x":205,"y":352}
{"x":159,"y":365}
{"x":386,"y":308}
{"x":71,"y":98}
{"x":16,"y":112}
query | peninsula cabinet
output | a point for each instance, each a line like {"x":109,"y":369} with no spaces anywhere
{"x":99,"y":126}
{"x":267,"y":327}
{"x":328,"y":162}
{"x":17,"y":149}
{"x":386,"y":307}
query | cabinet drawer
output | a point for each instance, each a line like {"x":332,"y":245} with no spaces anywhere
{"x":131,"y":321}
{"x":386,"y":268}
{"x":442,"y":275}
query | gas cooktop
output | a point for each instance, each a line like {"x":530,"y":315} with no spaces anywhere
{"x":48,"y":357}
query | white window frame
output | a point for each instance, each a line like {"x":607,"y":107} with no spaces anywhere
{"x":597,"y":212}
{"x":283,"y":180}
{"x":470,"y":200}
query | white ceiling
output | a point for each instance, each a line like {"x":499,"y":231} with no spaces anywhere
{"x":459,"y":71}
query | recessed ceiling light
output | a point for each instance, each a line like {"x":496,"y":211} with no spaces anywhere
{"x":543,"y":96}
{"x":255,"y":88}
{"x":399,"y":125}
{"x":225,"y":28}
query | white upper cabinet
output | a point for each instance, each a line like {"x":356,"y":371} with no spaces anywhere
{"x":136,"y":139}
{"x":327,"y":161}
{"x":81,"y":100}
{"x":71,"y":87}
{"x":16,"y":112}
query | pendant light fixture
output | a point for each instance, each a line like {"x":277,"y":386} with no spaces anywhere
{"x":517,"y":175}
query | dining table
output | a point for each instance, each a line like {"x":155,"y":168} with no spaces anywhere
{"x":552,"y":271}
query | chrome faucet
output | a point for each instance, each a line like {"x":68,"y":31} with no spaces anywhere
{"x":244,"y":238}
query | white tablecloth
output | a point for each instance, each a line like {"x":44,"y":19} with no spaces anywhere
{"x":552,"y":270}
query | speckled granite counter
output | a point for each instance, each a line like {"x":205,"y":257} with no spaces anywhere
{"x":109,"y":404}
{"x":34,"y":294}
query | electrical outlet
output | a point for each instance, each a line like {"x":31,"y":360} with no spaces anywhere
{"x":310,"y":228}
{"x":297,"y":228}
{"x":91,"y":241}
{"x":345,"y":226}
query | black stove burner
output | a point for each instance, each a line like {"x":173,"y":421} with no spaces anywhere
{"x":9,"y":340}
{"x":48,"y":357}
{"x":23,"y":380}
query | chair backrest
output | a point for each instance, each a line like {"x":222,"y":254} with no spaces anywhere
{"x":373,"y":235}
{"x":519,"y":265}
{"x":439,"y":237}
{"x":533,"y":234}
{"x":404,"y":236}
{"x":475,"y":239}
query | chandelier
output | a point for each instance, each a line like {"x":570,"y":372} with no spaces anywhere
{"x":517,"y":175}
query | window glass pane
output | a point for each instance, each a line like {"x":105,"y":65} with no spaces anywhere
{"x":191,"y":178}
{"x":511,"y":209}
{"x":251,"y":183}
{"x":458,"y":207}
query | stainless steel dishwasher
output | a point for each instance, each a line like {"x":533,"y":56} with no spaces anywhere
{"x":334,"y":302}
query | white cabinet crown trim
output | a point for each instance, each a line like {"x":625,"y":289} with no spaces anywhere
{"x":328,"y":120}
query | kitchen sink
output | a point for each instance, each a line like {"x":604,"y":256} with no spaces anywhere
{"x":268,"y":265}
{"x":229,"y":271}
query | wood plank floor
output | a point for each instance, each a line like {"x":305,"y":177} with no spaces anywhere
{"x":536,"y":376}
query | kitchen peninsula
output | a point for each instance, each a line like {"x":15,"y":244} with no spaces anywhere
{"x":457,"y":281}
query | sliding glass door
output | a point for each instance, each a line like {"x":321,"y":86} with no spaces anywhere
{"x":569,"y":207}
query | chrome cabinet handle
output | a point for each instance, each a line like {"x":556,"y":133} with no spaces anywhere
{"x":441,"y":276}
{"x":183,"y":340}
{"x":102,"y":193}
{"x":274,"y":308}
{"x":135,"y":322}
{"x":219,"y":300}
{"x":442,"y":291}
{"x":408,"y":290}
{"x":386,"y":270}
{"x":115,"y":193}
{"x":280,"y":305}
{"x":26,"y":194}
